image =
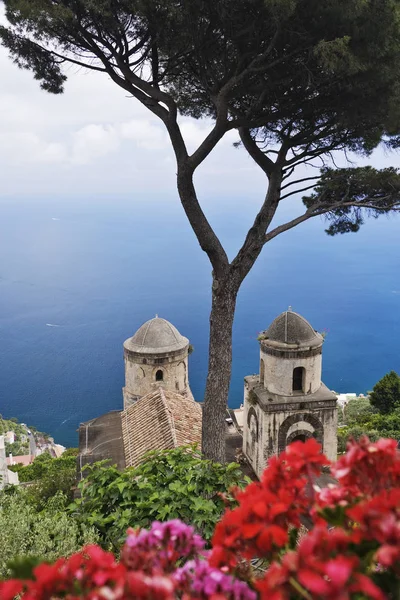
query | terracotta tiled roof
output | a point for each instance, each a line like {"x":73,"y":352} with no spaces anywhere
{"x":160,"y":420}
{"x":25,"y":460}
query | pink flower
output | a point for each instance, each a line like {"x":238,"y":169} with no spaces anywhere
{"x":201,"y":581}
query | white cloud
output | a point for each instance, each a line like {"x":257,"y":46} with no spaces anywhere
{"x":21,"y":148}
{"x":92,"y":142}
{"x":52,"y":153}
{"x":147,"y":134}
{"x":194,"y":132}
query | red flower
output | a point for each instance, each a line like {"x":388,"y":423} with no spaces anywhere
{"x":378,"y":520}
{"x":369,"y":467}
{"x":259,"y":525}
{"x":9,"y":589}
{"x":322,"y":567}
{"x":304,"y":456}
{"x":336,"y":564}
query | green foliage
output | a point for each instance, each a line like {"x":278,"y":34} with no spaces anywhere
{"x":70,"y":452}
{"x":48,"y":476}
{"x":21,"y":444}
{"x":357,"y":410}
{"x":35,"y":470}
{"x":17,"y":448}
{"x":44,"y":535}
{"x":365,"y":191}
{"x":11,"y":425}
{"x":359,"y":417}
{"x":355,"y":432}
{"x":170,"y":484}
{"x":385,"y":395}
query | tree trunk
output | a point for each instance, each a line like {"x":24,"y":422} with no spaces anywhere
{"x":224,"y":295}
{"x":227,"y":278}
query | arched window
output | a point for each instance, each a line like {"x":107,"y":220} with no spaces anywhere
{"x":262,"y":369}
{"x":159,"y":375}
{"x":298,"y":379}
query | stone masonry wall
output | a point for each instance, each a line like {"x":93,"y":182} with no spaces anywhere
{"x":141,"y":371}
{"x":267,"y":433}
{"x":278,"y":373}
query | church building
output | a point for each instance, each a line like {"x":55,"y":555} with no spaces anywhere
{"x":159,"y":411}
{"x":156,"y":356}
{"x":287,"y":400}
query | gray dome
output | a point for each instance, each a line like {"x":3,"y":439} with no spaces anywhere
{"x":291,"y":328}
{"x":156,"y":336}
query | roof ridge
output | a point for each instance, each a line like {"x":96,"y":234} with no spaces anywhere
{"x":147,"y":329}
{"x":156,"y":335}
{"x":286,"y":325}
{"x":172,"y":329}
{"x":170,"y":419}
{"x":303,"y":319}
{"x":291,"y":327}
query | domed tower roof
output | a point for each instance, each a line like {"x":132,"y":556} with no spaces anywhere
{"x":156,"y":336}
{"x":292,"y":329}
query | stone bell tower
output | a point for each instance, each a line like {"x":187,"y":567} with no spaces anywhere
{"x":287,"y":401}
{"x":156,"y":356}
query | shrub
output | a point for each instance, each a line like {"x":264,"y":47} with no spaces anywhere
{"x":169,"y":484}
{"x":358,"y":559}
{"x":385,"y":395}
{"x":48,"y":476}
{"x":46,"y":535}
{"x":70,"y":452}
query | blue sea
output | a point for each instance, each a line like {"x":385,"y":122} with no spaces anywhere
{"x":78,"y":277}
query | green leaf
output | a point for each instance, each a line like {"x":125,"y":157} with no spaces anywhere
{"x":21,"y":567}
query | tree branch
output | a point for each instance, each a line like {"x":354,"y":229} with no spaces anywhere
{"x":299,"y":181}
{"x":290,"y":224}
{"x":254,"y":241}
{"x":316,"y":210}
{"x":250,"y":68}
{"x":304,"y":189}
{"x":205,"y":234}
{"x":265,"y":163}
{"x":208,"y":144}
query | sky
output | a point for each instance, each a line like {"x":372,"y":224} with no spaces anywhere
{"x":94,"y":140}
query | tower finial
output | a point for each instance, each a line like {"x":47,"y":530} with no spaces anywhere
{"x":290,"y":308}
{"x":156,"y":316}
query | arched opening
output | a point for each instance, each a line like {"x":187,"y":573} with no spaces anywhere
{"x":299,"y":438}
{"x":252,"y":433}
{"x":298,"y":379}
{"x":316,"y":430}
{"x":159,"y":375}
{"x":262,"y":370}
{"x":181,"y":375}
